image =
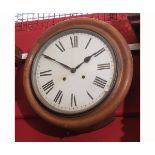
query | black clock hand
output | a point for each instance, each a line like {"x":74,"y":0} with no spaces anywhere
{"x":86,"y":59}
{"x":67,"y":67}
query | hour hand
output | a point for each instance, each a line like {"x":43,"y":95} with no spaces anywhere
{"x":65,"y":66}
{"x":86,"y":59}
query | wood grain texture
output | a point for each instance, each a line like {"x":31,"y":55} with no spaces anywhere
{"x":18,"y":55}
{"x":99,"y":114}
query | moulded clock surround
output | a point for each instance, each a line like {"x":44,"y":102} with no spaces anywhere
{"x":101,"y":112}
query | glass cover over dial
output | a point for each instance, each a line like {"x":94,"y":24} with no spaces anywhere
{"x":74,"y":71}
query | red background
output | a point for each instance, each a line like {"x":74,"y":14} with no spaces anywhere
{"x":29,"y":127}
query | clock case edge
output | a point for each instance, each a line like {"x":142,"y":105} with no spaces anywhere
{"x":103,"y":112}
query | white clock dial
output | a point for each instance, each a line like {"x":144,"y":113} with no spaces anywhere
{"x":74,"y":71}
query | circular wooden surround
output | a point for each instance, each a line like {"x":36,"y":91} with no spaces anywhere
{"x":124,"y":75}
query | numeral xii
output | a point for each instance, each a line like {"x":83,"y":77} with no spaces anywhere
{"x":74,"y":41}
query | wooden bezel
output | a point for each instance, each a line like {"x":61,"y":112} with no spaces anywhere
{"x":124,"y":77}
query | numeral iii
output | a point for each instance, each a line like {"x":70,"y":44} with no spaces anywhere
{"x":103,"y":66}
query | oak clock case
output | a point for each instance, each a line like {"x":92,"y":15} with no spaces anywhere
{"x":77,"y":73}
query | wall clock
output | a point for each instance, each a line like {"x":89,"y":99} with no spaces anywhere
{"x":77,"y":73}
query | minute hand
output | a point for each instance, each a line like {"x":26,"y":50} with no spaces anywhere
{"x":67,"y":67}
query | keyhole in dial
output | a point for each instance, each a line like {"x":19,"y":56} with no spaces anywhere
{"x":83,"y":76}
{"x":64,"y":78}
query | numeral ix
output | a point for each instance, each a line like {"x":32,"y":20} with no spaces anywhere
{"x":46,"y":73}
{"x":73,"y":100}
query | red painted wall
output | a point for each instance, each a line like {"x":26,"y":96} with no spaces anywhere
{"x":29,"y":127}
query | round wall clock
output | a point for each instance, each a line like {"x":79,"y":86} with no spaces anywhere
{"x":77,"y":73}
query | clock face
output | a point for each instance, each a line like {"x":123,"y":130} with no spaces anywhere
{"x":74,"y":71}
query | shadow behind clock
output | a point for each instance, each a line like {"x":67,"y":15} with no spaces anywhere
{"x":130,"y":121}
{"x":132,"y":101}
{"x":39,"y":124}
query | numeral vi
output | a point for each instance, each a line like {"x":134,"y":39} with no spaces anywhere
{"x":73,"y":100}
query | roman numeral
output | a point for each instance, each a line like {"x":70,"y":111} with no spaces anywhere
{"x":46,"y":73}
{"x":99,"y":82}
{"x":103,"y":66}
{"x":48,"y":86}
{"x":74,"y":41}
{"x":99,"y":52}
{"x":89,"y":95}
{"x":58,"y":97}
{"x":60,"y":46}
{"x":73,"y":100}
{"x":88,"y":43}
